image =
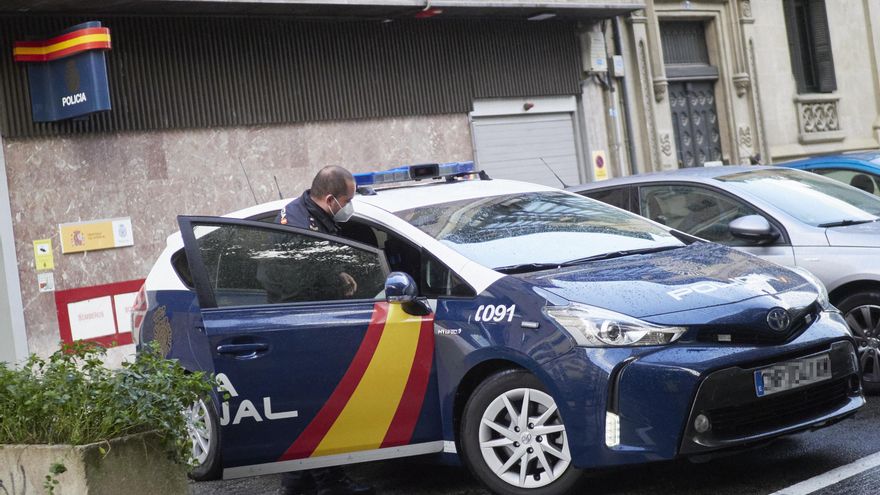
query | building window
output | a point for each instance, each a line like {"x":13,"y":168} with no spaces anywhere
{"x":809,"y":43}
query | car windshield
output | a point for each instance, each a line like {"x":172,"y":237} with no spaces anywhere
{"x":541,"y":228}
{"x":812,"y":199}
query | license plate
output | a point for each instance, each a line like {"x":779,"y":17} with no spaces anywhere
{"x":792,"y":374}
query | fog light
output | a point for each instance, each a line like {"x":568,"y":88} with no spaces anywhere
{"x":702,"y":424}
{"x":612,"y":429}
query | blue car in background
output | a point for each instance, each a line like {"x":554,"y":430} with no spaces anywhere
{"x":530,"y":333}
{"x":861,"y":170}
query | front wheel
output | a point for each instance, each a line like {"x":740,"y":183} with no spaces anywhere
{"x":862,"y":313}
{"x":204,"y":433}
{"x":513,"y":438}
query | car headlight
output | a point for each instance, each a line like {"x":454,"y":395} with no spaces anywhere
{"x":596,"y":327}
{"x":823,"y":299}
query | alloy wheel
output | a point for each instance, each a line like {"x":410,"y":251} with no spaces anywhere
{"x":522,"y":438}
{"x":198,"y":425}
{"x":864,"y":321}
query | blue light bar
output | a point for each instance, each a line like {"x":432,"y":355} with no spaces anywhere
{"x":457,"y":168}
{"x":408,"y":173}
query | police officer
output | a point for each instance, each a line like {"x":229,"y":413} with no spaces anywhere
{"x":322,"y":208}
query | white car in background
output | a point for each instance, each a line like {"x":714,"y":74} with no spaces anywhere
{"x":791,"y":217}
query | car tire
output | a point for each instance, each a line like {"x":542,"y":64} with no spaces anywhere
{"x":541,"y":437}
{"x":862,"y":313}
{"x":203,"y":427}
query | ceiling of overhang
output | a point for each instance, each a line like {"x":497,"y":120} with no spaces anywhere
{"x":459,"y":9}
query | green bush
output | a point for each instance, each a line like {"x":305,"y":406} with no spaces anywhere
{"x":71,"y":398}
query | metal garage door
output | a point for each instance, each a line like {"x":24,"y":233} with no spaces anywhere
{"x":512,"y":147}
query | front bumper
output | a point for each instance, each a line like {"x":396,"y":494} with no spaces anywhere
{"x":656,"y":394}
{"x":738,"y":416}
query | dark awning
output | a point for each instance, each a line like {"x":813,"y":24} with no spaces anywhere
{"x":360,"y":9}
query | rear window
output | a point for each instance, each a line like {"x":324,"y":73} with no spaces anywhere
{"x":181,"y":266}
{"x":810,"y":198}
{"x":615,"y":197}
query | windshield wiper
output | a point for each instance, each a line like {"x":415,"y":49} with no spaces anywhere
{"x":534,"y":267}
{"x":526,"y":267}
{"x":619,"y":254}
{"x":843,"y":223}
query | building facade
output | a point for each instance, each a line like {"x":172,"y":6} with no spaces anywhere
{"x":740,"y":81}
{"x":220,"y":105}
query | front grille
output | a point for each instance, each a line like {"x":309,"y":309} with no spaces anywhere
{"x":787,"y":408}
{"x":759,"y":334}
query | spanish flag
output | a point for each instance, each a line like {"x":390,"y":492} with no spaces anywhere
{"x":96,"y":38}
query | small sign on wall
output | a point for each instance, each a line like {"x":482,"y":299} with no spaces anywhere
{"x":600,"y":165}
{"x":122,"y":304}
{"x":43,"y":258}
{"x":91,"y":318}
{"x":99,"y":234}
{"x":46,"y":282}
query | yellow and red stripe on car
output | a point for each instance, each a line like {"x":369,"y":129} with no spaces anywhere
{"x":65,"y":45}
{"x":379,"y":399}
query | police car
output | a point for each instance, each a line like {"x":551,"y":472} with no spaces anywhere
{"x":529,"y":332}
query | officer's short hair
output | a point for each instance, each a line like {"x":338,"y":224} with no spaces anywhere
{"x":331,"y":180}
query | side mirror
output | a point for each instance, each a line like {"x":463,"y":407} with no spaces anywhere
{"x":401,"y":288}
{"x":754,"y":228}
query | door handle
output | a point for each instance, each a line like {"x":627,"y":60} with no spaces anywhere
{"x":242,"y":349}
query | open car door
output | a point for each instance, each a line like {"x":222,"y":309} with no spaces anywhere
{"x":312,"y":370}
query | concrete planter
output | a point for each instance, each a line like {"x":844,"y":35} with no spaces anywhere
{"x":132,"y":465}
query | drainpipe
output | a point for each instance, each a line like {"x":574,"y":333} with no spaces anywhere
{"x":630,"y":137}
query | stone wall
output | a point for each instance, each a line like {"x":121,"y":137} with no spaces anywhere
{"x":153,"y":177}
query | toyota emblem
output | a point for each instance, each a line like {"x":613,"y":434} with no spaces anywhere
{"x":778,"y":319}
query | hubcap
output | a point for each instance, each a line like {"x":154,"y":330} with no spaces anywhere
{"x":864,"y":321}
{"x":509,"y":442}
{"x":198,"y":425}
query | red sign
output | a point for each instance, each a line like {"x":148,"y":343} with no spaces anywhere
{"x":97,"y":314}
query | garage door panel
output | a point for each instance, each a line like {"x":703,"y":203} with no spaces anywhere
{"x":513,"y":148}
{"x":534,"y":137}
{"x":512,"y":155}
{"x":544,"y":129}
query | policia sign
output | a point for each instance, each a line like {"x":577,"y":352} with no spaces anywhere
{"x":67,"y":73}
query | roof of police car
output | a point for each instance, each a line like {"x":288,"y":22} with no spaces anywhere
{"x":419,"y":194}
{"x":437,"y":192}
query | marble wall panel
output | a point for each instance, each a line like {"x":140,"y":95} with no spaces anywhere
{"x":153,"y":177}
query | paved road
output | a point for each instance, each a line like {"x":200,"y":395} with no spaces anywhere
{"x":775,"y":467}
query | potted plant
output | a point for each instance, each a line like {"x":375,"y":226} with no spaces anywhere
{"x":70,"y":425}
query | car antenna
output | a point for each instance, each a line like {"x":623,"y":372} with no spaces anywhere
{"x":277,"y":188}
{"x":552,"y":172}
{"x":248,"y":181}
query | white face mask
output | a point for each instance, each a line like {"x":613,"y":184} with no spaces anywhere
{"x":344,"y":213}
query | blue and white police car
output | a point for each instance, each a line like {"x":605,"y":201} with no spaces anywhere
{"x":531,"y":332}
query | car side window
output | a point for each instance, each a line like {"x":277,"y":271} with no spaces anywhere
{"x":438,"y":280}
{"x":251,"y":266}
{"x":864,"y":181}
{"x":695,"y":210}
{"x":618,"y":197}
{"x":433,"y":277}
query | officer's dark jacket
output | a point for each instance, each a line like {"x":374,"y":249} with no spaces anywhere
{"x":288,"y":280}
{"x":304,"y":213}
